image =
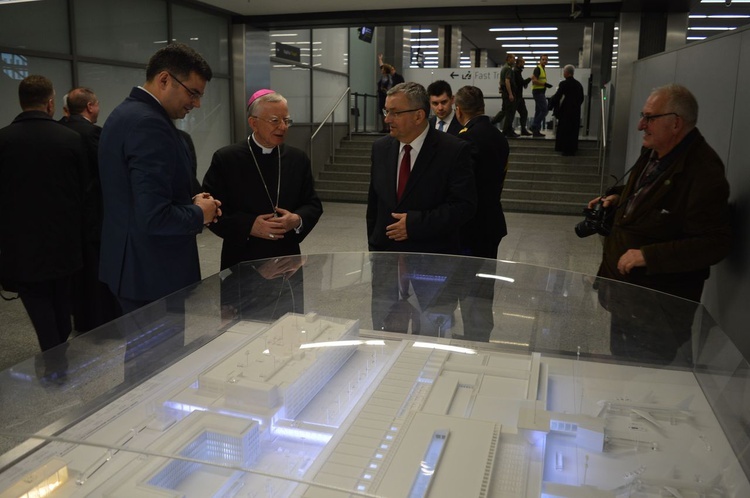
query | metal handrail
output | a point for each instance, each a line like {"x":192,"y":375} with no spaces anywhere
{"x":322,"y":123}
{"x":603,"y":144}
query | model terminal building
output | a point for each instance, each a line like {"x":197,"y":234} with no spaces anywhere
{"x":306,"y":408}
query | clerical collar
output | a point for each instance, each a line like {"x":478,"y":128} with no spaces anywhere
{"x":265,"y":150}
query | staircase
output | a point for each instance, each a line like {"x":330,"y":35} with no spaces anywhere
{"x":539,"y":179}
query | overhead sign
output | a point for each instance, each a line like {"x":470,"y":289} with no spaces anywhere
{"x":487,"y":78}
{"x":288,"y":52}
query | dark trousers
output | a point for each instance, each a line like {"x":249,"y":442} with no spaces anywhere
{"x":48,"y":304}
{"x":523,"y":113}
{"x":506,"y":114}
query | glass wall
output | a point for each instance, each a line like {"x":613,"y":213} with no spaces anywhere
{"x":108,"y":51}
{"x":314,"y":83}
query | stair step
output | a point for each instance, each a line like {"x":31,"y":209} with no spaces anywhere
{"x":347,"y":167}
{"x":344,"y":176}
{"x":351,"y":186}
{"x":547,"y":186}
{"x":524,"y":206}
{"x":581,"y":198}
{"x":589,"y":169}
{"x":553,"y":176}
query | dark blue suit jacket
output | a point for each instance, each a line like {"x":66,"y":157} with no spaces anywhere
{"x":440,"y":195}
{"x":150,"y":222}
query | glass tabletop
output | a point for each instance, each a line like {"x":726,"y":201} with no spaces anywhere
{"x":289,"y":376}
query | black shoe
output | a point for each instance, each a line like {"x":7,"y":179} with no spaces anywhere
{"x":537,"y":134}
{"x":511,"y":134}
{"x":526,"y":133}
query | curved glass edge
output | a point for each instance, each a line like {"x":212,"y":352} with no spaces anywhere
{"x":454,"y":301}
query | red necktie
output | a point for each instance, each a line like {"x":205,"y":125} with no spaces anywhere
{"x":403,"y":171}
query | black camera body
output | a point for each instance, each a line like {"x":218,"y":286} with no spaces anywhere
{"x":598,"y":220}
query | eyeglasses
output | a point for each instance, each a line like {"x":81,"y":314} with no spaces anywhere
{"x":650,"y":117}
{"x":276,"y":121}
{"x":387,"y":112}
{"x":194,"y":94}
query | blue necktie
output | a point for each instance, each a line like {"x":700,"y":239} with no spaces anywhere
{"x":441,"y":125}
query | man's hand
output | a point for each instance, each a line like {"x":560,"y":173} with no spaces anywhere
{"x":397,"y":231}
{"x":268,"y":227}
{"x":609,"y":200}
{"x":209,"y":206}
{"x":288,"y":219}
{"x":631,"y":259}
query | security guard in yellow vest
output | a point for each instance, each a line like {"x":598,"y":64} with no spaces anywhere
{"x":538,"y":86}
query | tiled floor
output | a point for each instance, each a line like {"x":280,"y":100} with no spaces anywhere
{"x":544,"y":240}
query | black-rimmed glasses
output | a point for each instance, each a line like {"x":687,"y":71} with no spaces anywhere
{"x":194,"y":94}
{"x":387,"y":112}
{"x":650,"y":117}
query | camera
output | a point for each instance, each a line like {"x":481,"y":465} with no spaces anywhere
{"x":598,"y":220}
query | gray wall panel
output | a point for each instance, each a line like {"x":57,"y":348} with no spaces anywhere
{"x":648,"y":74}
{"x":728,"y":290}
{"x":716,"y":71}
{"x":709,"y":70}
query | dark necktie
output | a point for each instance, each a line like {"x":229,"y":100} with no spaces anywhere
{"x":403,"y":171}
{"x":441,"y":125}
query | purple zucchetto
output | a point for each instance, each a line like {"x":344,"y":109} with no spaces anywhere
{"x":258,"y":95}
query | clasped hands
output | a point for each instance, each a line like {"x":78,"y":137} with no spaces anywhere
{"x":209,"y":206}
{"x":273,"y":226}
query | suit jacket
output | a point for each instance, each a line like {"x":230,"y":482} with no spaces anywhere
{"x":453,"y":128}
{"x":489,"y":150}
{"x":681,"y":224}
{"x":90,"y":133}
{"x":150,"y":222}
{"x":440,"y":195}
{"x":42,"y":178}
{"x":233,"y":179}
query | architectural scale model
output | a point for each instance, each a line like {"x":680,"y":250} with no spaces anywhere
{"x":310,"y":408}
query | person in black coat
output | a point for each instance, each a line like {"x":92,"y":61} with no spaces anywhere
{"x":42,"y":180}
{"x":566,"y":106}
{"x":268,"y":201}
{"x":481,"y":235}
{"x":93,"y":303}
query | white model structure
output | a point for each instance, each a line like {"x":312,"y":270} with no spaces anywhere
{"x":307,"y":409}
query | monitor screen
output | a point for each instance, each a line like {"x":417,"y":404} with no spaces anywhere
{"x":365,"y":33}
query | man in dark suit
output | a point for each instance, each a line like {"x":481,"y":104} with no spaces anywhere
{"x":42,"y":173}
{"x":93,"y":303}
{"x":441,"y":101}
{"x":432,"y":171}
{"x":482,"y":234}
{"x":151,"y":217}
